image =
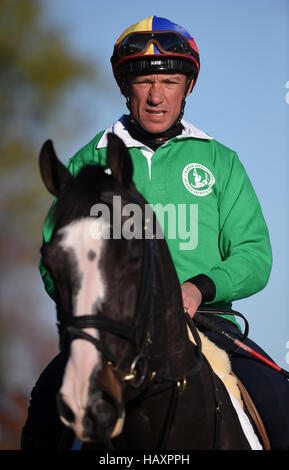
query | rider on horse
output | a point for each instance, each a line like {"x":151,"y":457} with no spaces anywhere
{"x":156,"y":65}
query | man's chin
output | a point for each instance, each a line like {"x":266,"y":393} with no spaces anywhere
{"x":155,"y":128}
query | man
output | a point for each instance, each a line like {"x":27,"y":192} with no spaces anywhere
{"x":226,"y":254}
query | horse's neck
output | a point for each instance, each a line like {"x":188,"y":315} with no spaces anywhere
{"x":171,"y":329}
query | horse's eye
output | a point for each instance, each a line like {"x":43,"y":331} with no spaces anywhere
{"x":134,"y":254}
{"x":132,"y":260}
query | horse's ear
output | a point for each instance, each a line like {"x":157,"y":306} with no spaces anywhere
{"x":53,"y":172}
{"x":119,"y":161}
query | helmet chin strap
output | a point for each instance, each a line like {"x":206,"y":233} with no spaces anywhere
{"x":180,"y":116}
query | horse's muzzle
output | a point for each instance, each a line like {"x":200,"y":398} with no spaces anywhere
{"x":102,"y":419}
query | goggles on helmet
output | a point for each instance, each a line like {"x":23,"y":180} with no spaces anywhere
{"x":155,"y":45}
{"x":168,"y":42}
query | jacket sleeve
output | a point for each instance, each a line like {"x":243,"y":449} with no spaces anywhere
{"x":243,"y":241}
{"x":46,"y":235}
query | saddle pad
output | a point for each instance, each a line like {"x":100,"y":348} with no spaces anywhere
{"x":221,"y":365}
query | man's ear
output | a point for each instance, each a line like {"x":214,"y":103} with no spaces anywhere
{"x":123,"y":84}
{"x":119,"y":161}
{"x":191,"y":85}
{"x":53,"y":172}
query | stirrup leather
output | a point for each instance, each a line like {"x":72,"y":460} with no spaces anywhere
{"x":253,"y":413}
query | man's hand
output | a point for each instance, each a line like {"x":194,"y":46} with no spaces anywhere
{"x":192,"y":298}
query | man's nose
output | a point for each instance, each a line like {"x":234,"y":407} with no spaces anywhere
{"x":155,"y":95}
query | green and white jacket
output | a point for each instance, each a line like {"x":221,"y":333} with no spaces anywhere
{"x":210,"y":200}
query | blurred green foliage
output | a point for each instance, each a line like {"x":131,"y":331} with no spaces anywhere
{"x":37,"y":67}
{"x":38,"y":71}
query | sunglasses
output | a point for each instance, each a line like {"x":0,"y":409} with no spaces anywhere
{"x":166,"y":41}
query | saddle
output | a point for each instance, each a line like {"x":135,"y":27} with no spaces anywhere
{"x":221,"y":365}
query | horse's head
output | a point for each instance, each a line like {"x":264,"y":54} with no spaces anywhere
{"x":97,"y":275}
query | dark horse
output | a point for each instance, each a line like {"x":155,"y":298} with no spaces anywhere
{"x":133,"y":379}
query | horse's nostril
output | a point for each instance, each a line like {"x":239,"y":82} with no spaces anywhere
{"x":105,"y":409}
{"x":64,"y":410}
{"x":104,"y":412}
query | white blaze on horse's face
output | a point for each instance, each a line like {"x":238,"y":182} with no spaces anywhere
{"x":85,"y":251}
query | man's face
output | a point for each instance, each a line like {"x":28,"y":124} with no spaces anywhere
{"x":156,"y":100}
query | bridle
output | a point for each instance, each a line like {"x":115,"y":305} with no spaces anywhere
{"x":145,"y":309}
{"x":145,"y":312}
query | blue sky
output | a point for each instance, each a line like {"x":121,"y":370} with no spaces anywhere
{"x":239,"y":99}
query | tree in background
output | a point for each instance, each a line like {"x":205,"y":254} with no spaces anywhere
{"x":37,"y":67}
{"x":37,"y":70}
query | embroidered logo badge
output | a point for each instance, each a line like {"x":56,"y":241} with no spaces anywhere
{"x":198,"y":179}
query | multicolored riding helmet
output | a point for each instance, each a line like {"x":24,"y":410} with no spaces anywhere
{"x":155,"y":45}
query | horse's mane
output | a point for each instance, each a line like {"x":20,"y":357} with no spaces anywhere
{"x":79,"y":194}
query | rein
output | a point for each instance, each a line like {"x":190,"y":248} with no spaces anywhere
{"x":127,"y":332}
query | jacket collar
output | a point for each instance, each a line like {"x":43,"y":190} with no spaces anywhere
{"x":119,"y":128}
